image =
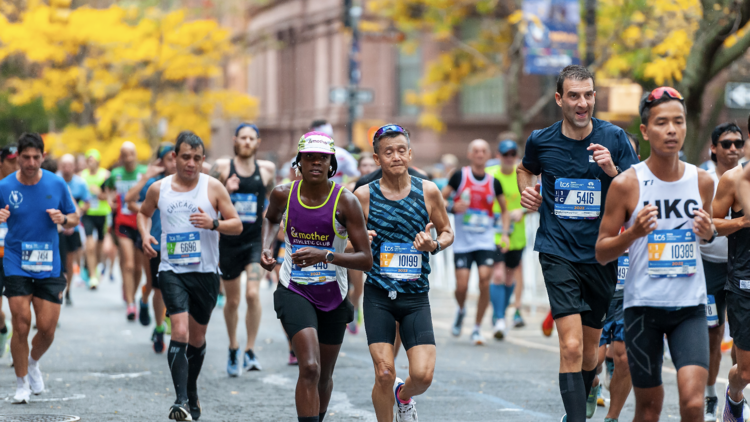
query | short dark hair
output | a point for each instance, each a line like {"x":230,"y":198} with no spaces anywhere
{"x":634,"y":139}
{"x":190,"y":139}
{"x":388,"y":135}
{"x":30,"y":140}
{"x":317,"y":123}
{"x":49,"y":164}
{"x":646,"y":107}
{"x":331,"y":172}
{"x":721,"y":129}
{"x":575,"y":72}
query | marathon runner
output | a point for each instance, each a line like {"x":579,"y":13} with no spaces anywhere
{"x":163,"y":166}
{"x":72,"y":237}
{"x":737,"y":295}
{"x":33,"y":202}
{"x":95,"y":218}
{"x":578,"y":158}
{"x":727,"y":145}
{"x":665,"y":206}
{"x":188,"y":273}
{"x":401,"y":210}
{"x":119,"y":183}
{"x":311,"y":298}
{"x":8,"y":165}
{"x":474,"y":193}
{"x":508,"y":273}
{"x":249,"y":182}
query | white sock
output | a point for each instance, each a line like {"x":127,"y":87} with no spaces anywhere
{"x":21,"y":382}
{"x":32,"y":362}
{"x":710,"y":391}
{"x":477,"y":327}
{"x":460,"y":311}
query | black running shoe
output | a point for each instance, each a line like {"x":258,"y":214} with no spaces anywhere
{"x":195,"y":406}
{"x":179,"y":412}
{"x":158,"y":339}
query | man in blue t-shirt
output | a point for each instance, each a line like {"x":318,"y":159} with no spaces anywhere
{"x":71,"y":238}
{"x":577,"y":158}
{"x":33,"y":202}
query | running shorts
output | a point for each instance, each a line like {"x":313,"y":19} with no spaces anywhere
{"x":194,"y":293}
{"x":297,"y":313}
{"x":465,"y":260}
{"x":738,"y":315}
{"x":716,"y":278}
{"x":130,"y":233}
{"x":94,"y":222}
{"x":72,"y":242}
{"x":2,"y":276}
{"x":512,"y":259}
{"x":614,"y":325}
{"x":645,"y":329}
{"x":153,"y":264}
{"x":410,"y":310}
{"x":575,"y":288}
{"x":233,"y":259}
{"x":49,"y":289}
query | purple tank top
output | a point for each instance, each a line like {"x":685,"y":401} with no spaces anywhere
{"x":314,"y":227}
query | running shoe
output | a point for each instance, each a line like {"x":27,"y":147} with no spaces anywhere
{"x":5,"y":340}
{"x":93,"y":283}
{"x":131,"y":312}
{"x":599,"y":398}
{"x":292,"y":359}
{"x":610,"y":369}
{"x":548,"y":325}
{"x":610,"y":420}
{"x":158,"y":339}
{"x":458,"y":322}
{"x":591,"y":402}
{"x":564,"y":418}
{"x":711,"y":405}
{"x":23,"y":394}
{"x":499,"y":328}
{"x":36,"y":380}
{"x":68,"y":302}
{"x":477,"y":338}
{"x":250,"y":361}
{"x":233,"y":366}
{"x":407,"y":412}
{"x":353,"y":326}
{"x":143,"y":315}
{"x":195,"y":405}
{"x":729,"y":416}
{"x":167,"y":326}
{"x":221,"y":300}
{"x":180,"y":412}
{"x":746,"y":411}
{"x":85,"y":275}
{"x":518,"y":320}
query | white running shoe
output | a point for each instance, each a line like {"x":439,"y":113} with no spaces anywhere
{"x":500,"y":328}
{"x":406,"y":412}
{"x":22,"y":395}
{"x":477,"y":338}
{"x":36,"y":380}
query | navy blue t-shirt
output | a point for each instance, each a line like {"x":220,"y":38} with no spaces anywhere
{"x":31,"y":245}
{"x":556,"y":156}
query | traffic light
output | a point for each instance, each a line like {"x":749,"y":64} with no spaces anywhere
{"x":346,"y":14}
{"x":59,"y":11}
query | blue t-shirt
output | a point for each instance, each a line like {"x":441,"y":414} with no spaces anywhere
{"x":31,"y":245}
{"x":556,"y":156}
{"x":156,"y":217}
{"x":79,"y":190}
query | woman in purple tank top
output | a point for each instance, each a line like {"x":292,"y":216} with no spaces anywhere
{"x":320,"y":218}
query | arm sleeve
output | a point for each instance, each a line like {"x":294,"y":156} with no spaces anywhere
{"x":455,"y":180}
{"x":530,"y":158}
{"x":625,"y":157}
{"x":498,"y":187}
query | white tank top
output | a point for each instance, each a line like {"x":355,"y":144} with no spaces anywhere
{"x":185,"y":248}
{"x":666,"y":269}
{"x":717,"y":250}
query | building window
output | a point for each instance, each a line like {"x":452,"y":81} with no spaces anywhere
{"x":486,"y":97}
{"x":409,"y":71}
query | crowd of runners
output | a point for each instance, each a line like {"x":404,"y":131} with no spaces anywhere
{"x":640,"y":259}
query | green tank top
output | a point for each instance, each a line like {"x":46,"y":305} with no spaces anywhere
{"x":97,"y":206}
{"x":509,"y":182}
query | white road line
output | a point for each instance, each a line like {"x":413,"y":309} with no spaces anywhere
{"x":120,"y":376}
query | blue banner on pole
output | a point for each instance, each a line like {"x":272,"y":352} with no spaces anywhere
{"x":551,"y":40}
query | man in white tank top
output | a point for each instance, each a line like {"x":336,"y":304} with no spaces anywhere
{"x":665,"y":206}
{"x":189,"y":202}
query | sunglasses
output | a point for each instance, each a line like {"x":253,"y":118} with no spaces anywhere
{"x":509,"y":154}
{"x":739,"y":144}
{"x":387,"y":129}
{"x":660,"y":92}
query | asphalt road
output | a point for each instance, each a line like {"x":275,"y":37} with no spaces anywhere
{"x":102,"y":368}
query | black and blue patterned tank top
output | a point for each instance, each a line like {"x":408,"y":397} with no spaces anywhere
{"x":396,"y":265}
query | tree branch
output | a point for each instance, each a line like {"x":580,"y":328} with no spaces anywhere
{"x":726,"y":56}
{"x":538,"y":105}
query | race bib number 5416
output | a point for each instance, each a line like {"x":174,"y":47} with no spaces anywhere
{"x":578,"y":199}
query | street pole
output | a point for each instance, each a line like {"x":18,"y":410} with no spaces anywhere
{"x":355,"y":74}
{"x":590,"y":31}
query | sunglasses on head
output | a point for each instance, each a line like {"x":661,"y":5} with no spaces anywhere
{"x":739,"y":144}
{"x":388,"y":128}
{"x":660,"y":92}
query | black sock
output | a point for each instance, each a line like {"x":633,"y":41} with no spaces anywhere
{"x":321,"y":416}
{"x":249,"y":353}
{"x":4,"y":330}
{"x":735,"y":408}
{"x":588,"y":380}
{"x":308,"y":419}
{"x":195,"y":357}
{"x":178,"y":364}
{"x":571,"y":391}
{"x":610,"y":360}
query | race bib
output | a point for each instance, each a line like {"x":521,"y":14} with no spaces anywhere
{"x":122,"y":187}
{"x":499,"y":225}
{"x":36,"y":257}
{"x":671,"y":253}
{"x":3,"y":233}
{"x":712,"y":314}
{"x":320,"y":273}
{"x":477,"y":221}
{"x":400,"y":261}
{"x":623,"y":264}
{"x":578,"y":199}
{"x":93,"y":203}
{"x":184,"y":248}
{"x":246,"y":205}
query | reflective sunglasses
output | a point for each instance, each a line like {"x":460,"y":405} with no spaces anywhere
{"x":739,"y":144}
{"x":509,"y":154}
{"x":387,"y":129}
{"x":658,"y":93}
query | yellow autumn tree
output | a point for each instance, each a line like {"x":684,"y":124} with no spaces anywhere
{"x":126,"y":74}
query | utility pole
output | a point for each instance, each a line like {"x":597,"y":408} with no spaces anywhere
{"x":352,"y":13}
{"x":590,"y":31}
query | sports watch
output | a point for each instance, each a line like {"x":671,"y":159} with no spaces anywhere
{"x":216,"y":224}
{"x":329,"y":257}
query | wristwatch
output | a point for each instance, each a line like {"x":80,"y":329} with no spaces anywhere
{"x":619,"y":170}
{"x":437,"y":249}
{"x":713,"y":237}
{"x":329,"y":257}
{"x":216,"y":224}
{"x":65,"y":221}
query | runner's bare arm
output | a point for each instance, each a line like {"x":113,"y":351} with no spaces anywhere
{"x":743,"y":191}
{"x":271,"y":221}
{"x":531,"y":199}
{"x":703,"y":225}
{"x":220,"y":170}
{"x":230,"y":223}
{"x":268,"y":174}
{"x":723,"y":202}
{"x":438,"y":215}
{"x":622,"y":200}
{"x":505,"y":216}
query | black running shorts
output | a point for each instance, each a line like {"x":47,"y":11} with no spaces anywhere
{"x":91,"y":222}
{"x":130,"y":233}
{"x":575,"y":288}
{"x":465,"y":260}
{"x":72,"y":242}
{"x":50,"y":289}
{"x":645,"y":329}
{"x":233,"y":259}
{"x":410,"y":310}
{"x":194,"y":293}
{"x":716,"y":279}
{"x":738,"y":315}
{"x":297,"y":313}
{"x":153,"y":264}
{"x":512,"y":259}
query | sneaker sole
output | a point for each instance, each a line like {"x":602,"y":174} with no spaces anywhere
{"x":179,"y":415}
{"x":24,"y":401}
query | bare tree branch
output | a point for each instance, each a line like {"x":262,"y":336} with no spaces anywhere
{"x":726,"y":56}
{"x":538,"y":105}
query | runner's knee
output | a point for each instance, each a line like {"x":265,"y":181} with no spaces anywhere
{"x":309,"y":370}
{"x":385,"y":374}
{"x":570,"y":350}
